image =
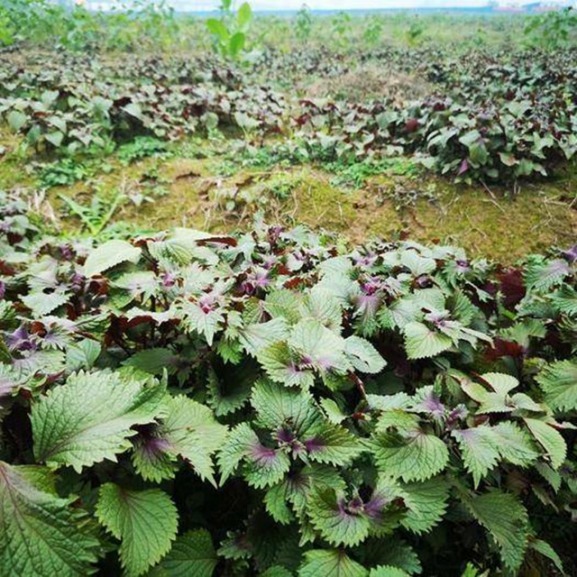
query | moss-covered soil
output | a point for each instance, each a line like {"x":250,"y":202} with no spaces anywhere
{"x":497,"y":223}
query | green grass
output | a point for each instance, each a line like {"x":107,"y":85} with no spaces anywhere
{"x":393,"y":199}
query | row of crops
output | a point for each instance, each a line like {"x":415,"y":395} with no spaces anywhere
{"x":488,"y":116}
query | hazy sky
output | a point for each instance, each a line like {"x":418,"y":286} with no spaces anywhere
{"x":336,"y":4}
{"x":341,"y":4}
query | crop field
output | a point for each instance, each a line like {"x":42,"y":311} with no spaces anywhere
{"x":287,"y":296}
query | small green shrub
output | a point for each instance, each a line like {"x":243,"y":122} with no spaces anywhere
{"x":373,"y":33}
{"x":140,"y":148}
{"x":341,"y":25}
{"x":553,"y":30}
{"x":303,"y":24}
{"x":63,"y":173}
{"x":229,"y":32}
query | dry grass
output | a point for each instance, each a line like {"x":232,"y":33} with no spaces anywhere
{"x":370,"y":81}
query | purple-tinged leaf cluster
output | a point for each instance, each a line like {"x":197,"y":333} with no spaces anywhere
{"x":299,"y":402}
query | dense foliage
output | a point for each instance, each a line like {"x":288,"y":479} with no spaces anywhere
{"x":229,"y":32}
{"x":487,"y":116}
{"x":71,"y":26}
{"x":78,"y":105}
{"x":276,"y":404}
{"x":491,"y":117}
